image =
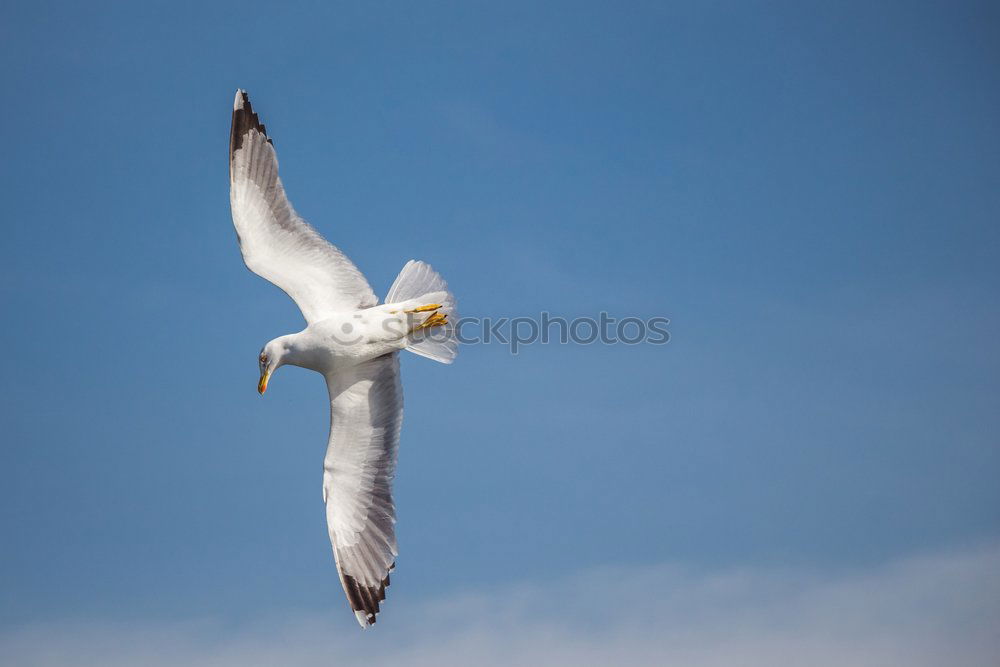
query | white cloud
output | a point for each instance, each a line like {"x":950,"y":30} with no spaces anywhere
{"x":934,"y":610}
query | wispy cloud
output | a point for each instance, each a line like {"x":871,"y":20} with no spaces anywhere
{"x":931,"y":610}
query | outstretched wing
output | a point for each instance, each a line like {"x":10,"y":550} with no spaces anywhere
{"x":276,"y":243}
{"x":366,"y":412}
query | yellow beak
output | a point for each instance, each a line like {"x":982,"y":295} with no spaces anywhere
{"x":262,"y":385}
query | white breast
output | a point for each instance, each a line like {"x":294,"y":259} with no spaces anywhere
{"x":353,"y":337}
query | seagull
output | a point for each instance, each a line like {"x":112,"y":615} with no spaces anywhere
{"x":352,"y":341}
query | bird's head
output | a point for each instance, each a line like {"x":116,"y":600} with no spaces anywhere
{"x":271,"y":357}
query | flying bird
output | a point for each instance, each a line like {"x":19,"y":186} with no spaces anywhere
{"x":349,"y":338}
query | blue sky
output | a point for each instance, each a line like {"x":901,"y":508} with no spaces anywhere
{"x":810,"y":193}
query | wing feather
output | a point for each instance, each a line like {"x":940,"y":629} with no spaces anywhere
{"x":276,"y":243}
{"x":366,"y":413}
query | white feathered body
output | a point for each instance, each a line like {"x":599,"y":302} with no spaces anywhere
{"x":349,"y":338}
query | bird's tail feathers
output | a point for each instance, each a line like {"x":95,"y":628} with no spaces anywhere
{"x":436,"y":337}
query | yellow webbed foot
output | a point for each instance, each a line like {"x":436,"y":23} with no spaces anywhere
{"x":435,"y":320}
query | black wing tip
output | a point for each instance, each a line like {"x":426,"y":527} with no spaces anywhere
{"x":365,"y":600}
{"x":244,"y":120}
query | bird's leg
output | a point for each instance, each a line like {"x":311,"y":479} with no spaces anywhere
{"x":424,"y":309}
